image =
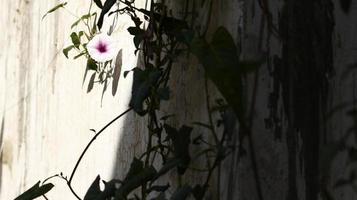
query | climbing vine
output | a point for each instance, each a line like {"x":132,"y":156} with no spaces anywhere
{"x":160,"y":39}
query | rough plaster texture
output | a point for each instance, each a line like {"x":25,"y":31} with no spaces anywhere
{"x":46,"y":114}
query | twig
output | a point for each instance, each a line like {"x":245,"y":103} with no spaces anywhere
{"x":90,"y":143}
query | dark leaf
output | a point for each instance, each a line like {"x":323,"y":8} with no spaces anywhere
{"x":221,"y":63}
{"x":181,"y":193}
{"x":159,"y":188}
{"x":35,"y":191}
{"x":137,"y":40}
{"x":136,"y":167}
{"x":98,"y":3}
{"x":91,"y":83}
{"x":117,"y":70}
{"x":345,"y":5}
{"x":126,"y":73}
{"x":105,"y":9}
{"x":135,"y":181}
{"x":104,"y":89}
{"x":94,"y":190}
{"x":198,"y":192}
{"x":164,"y":93}
{"x":142,"y":84}
{"x":181,"y":140}
{"x":135,"y":30}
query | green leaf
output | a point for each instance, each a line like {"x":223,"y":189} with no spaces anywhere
{"x":92,"y":65}
{"x":79,"y":55}
{"x":117,"y":70}
{"x":67,"y":50}
{"x":35,"y":191}
{"x":75,"y":40}
{"x":61,"y":5}
{"x":84,"y":17}
{"x":91,"y":83}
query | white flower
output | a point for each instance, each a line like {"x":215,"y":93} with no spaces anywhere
{"x":102,"y":48}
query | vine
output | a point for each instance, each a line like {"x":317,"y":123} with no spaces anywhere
{"x":160,"y":39}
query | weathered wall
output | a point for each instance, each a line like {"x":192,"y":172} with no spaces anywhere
{"x":46,"y":113}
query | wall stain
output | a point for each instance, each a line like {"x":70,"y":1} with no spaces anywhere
{"x":307,"y":60}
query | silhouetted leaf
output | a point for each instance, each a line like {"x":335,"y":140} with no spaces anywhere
{"x":198,"y":192}
{"x":94,"y":190}
{"x":104,"y":89}
{"x":136,"y":167}
{"x":133,"y":30}
{"x":117,"y":70}
{"x":159,"y":188}
{"x":105,"y":9}
{"x":98,"y":3}
{"x":181,"y":193}
{"x":135,"y":181}
{"x":221,"y":63}
{"x":95,"y":193}
{"x":35,"y":191}
{"x":345,"y":5}
{"x":91,"y":83}
{"x":180,"y":140}
{"x":61,"y":5}
{"x":142,"y":84}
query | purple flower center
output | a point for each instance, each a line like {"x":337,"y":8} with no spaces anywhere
{"x":101,"y":47}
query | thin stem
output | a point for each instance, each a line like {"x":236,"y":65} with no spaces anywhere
{"x":214,"y":134}
{"x":90,"y":143}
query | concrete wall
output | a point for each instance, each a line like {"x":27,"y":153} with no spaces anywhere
{"x":47,"y":114}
